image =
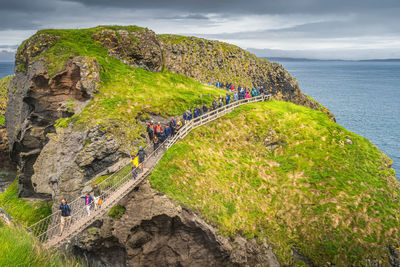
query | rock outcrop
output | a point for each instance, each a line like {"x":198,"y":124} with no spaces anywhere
{"x":36,"y":101}
{"x":70,"y":158}
{"x":205,"y":61}
{"x":154,"y":231}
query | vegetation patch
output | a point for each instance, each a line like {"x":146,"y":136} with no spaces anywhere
{"x":4,"y":84}
{"x":333,"y":201}
{"x":25,"y":212}
{"x":116,"y":212}
{"x":19,"y":248}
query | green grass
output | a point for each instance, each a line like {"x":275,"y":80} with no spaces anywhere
{"x":126,"y":94}
{"x":24,"y":211}
{"x":19,"y":248}
{"x":332,"y":201}
{"x":4,"y":84}
{"x":116,"y":212}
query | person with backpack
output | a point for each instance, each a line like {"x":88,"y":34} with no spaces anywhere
{"x":205,"y":109}
{"x":167,"y":132}
{"x":155,"y":143}
{"x":88,"y":202}
{"x":141,"y":154}
{"x":135,"y":163}
{"x":150,"y":130}
{"x":96,"y":195}
{"x":221,"y":101}
{"x":178,"y":126}
{"x":235,"y":96}
{"x":65,"y":210}
{"x":214,"y":104}
{"x":172,"y":126}
{"x":158,"y":130}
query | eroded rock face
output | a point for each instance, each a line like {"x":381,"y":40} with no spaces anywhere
{"x":135,"y":48}
{"x":36,"y":102}
{"x":155,"y":231}
{"x":205,"y":61}
{"x":71,"y":158}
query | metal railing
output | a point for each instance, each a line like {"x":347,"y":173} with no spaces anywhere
{"x":116,"y":186}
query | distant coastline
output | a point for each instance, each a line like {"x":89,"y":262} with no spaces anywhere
{"x":312,"y":59}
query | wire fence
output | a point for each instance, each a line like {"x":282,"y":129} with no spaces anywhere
{"x":116,"y":186}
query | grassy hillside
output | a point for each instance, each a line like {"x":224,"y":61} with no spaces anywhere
{"x":19,"y":248}
{"x":4,"y":83}
{"x":24,"y":211}
{"x":335,"y":202}
{"x":126,"y":94}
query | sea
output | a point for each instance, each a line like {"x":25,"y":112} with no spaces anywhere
{"x":364,"y":96}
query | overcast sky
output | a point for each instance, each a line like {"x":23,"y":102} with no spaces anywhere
{"x":339,"y":29}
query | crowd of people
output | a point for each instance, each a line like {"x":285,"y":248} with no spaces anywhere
{"x":157,"y":134}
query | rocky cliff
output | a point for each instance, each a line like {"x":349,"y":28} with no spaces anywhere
{"x":59,"y":72}
{"x":154,"y":230}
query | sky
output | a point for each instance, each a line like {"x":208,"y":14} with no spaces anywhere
{"x":322,"y":29}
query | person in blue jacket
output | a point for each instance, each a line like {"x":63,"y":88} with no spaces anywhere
{"x":65,"y":210}
{"x":228,"y":98}
{"x":167,"y":131}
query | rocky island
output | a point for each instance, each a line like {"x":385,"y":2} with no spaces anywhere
{"x":276,"y":183}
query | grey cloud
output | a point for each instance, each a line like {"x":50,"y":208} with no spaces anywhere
{"x":251,"y":6}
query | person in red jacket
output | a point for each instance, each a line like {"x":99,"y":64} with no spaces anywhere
{"x":158,"y":130}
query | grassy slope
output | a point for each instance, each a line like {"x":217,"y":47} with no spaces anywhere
{"x":23,"y":211}
{"x":126,"y":94}
{"x":332,"y":201}
{"x":4,"y":83}
{"x":18,"y":248}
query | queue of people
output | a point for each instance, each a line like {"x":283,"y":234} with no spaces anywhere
{"x":157,"y":135}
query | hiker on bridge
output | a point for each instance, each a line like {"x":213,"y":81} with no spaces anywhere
{"x":155,"y":143}
{"x":214,"y":104}
{"x":135,"y":164}
{"x":197,"y":112}
{"x":151,"y":130}
{"x":228,"y":98}
{"x":167,"y":132}
{"x":141,"y":154}
{"x":205,"y":109}
{"x":172,"y":125}
{"x":221,"y":101}
{"x":178,"y":126}
{"x":235,"y":96}
{"x":254,"y":92}
{"x":65,"y":210}
{"x":88,"y":202}
{"x":96,"y":196}
{"x":158,"y":130}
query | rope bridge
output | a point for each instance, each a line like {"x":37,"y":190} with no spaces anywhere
{"x":118,"y":185}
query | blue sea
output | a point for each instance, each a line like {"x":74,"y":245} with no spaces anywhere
{"x":6,"y":68}
{"x":363,"y":95}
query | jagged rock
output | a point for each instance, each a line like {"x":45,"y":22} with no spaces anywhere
{"x":156,"y":231}
{"x":36,"y":101}
{"x":71,"y":158}
{"x":135,"y":48}
{"x":271,"y":141}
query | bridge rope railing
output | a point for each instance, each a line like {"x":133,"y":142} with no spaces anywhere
{"x":49,"y":228}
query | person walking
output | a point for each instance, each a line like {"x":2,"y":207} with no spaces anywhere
{"x":172,"y":125}
{"x":228,"y":98}
{"x":150,"y":130}
{"x":214,"y":104}
{"x":158,"y":130}
{"x":135,"y":164}
{"x":96,"y":196}
{"x":205,"y":109}
{"x":65,"y":210}
{"x":142,"y":155}
{"x":88,"y":202}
